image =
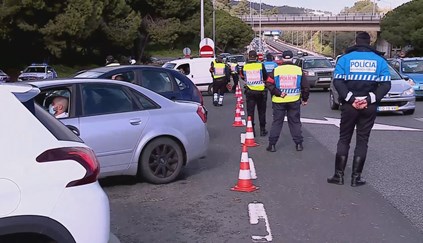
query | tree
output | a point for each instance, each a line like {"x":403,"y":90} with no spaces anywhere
{"x":241,"y":8}
{"x":361,"y":6}
{"x":404,"y":26}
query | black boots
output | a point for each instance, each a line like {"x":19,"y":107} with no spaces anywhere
{"x":271,"y":148}
{"x":263,"y":131}
{"x":357,"y":168}
{"x":338,"y":177}
{"x":299,"y":147}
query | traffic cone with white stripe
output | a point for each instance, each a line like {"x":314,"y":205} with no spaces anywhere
{"x":237,"y":91}
{"x":238,"y":121}
{"x":245,"y":184}
{"x":249,"y":137}
{"x":241,"y":108}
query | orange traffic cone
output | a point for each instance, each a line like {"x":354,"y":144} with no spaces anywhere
{"x":249,"y":137}
{"x":239,"y":101}
{"x":245,"y":183}
{"x":237,"y":91}
{"x":241,"y":108}
{"x":238,"y":120}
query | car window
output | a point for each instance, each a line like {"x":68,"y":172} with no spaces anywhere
{"x":128,"y":76}
{"x":169,"y":65}
{"x":145,"y":102}
{"x":157,"y":81}
{"x":394,"y":74}
{"x":184,"y":69}
{"x":317,"y":63}
{"x":88,"y":74}
{"x":98,"y":99}
{"x":413,"y":66}
{"x":56,"y":95}
{"x":180,"y":83}
{"x":35,"y":70}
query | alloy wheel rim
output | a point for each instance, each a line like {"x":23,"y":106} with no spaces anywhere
{"x":163,"y":161}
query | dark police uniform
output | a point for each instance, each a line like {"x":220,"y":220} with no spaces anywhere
{"x":221,"y":76}
{"x":254,"y":74}
{"x":288,"y":80}
{"x":234,"y":73}
{"x":360,"y":74}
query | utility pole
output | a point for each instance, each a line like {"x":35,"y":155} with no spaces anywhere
{"x":261,"y":44}
{"x":214,"y":22}
{"x":202,"y":20}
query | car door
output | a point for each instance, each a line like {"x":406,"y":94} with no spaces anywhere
{"x":160,"y":81}
{"x":111,"y":123}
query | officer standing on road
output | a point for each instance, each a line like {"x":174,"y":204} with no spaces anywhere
{"x":270,"y":65}
{"x":234,"y":72}
{"x":362,"y":79}
{"x":289,"y":92}
{"x":221,"y":76}
{"x":254,"y":74}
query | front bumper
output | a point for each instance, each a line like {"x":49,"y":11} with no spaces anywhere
{"x":318,"y":82}
{"x":397,"y":104}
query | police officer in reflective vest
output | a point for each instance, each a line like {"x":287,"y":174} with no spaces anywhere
{"x":221,"y":76}
{"x":233,"y":63}
{"x":362,"y":79}
{"x":254,"y":74}
{"x":270,"y":65}
{"x":289,"y":92}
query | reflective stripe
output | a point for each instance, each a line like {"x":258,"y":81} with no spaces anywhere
{"x":349,"y":95}
{"x":244,"y":174}
{"x":372,"y":97}
{"x":253,"y":76}
{"x":250,"y":135}
{"x":244,"y":157}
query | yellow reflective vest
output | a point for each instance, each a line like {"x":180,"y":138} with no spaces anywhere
{"x":288,"y":80}
{"x":233,"y":68}
{"x":219,"y":69}
{"x":253,"y":76}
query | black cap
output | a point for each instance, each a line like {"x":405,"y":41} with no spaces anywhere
{"x":287,"y":54}
{"x":252,"y":55}
{"x":269,"y":57}
{"x":362,"y":38}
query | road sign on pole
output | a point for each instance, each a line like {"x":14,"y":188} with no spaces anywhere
{"x":207,"y":47}
{"x":187,"y":52}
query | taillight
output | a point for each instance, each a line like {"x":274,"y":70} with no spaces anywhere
{"x":83,"y":156}
{"x":202,"y":113}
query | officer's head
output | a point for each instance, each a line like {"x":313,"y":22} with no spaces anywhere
{"x":287,"y":56}
{"x":219,"y":58}
{"x":252,"y":55}
{"x":269,"y":57}
{"x":362,"y":38}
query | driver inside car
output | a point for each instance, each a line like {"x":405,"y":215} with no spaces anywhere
{"x":58,"y":108}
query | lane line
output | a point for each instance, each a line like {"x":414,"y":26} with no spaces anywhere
{"x":256,"y":212}
{"x":252,"y":169}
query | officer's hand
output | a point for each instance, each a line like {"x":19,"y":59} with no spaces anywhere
{"x":362,"y":104}
{"x":304,"y":103}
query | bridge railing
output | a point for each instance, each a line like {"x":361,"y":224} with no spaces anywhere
{"x":302,"y":18}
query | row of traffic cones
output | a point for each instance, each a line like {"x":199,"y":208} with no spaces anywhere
{"x":246,"y":170}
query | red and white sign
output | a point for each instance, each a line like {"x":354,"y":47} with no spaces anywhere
{"x":207,"y":48}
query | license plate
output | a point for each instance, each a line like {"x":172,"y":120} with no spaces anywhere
{"x":421,"y":87}
{"x":325,"y":79}
{"x":387,"y":108}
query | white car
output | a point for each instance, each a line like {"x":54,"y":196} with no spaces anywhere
{"x":48,"y":177}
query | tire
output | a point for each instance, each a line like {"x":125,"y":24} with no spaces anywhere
{"x":408,"y":112}
{"x":161,"y":161}
{"x":332,"y":103}
{"x":210,"y":90}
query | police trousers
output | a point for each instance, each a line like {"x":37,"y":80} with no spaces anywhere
{"x":363,"y":120}
{"x":293,"y":111}
{"x":219,"y":86}
{"x":235,"y":78}
{"x":258,"y":98}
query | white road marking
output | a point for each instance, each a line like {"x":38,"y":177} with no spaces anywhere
{"x":252,"y":169}
{"x":244,"y":122}
{"x":376,"y":126}
{"x":419,"y":119}
{"x":256,"y":212}
{"x":243,"y":135}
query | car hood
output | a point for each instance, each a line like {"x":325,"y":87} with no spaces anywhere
{"x":320,"y":69}
{"x":399,"y":86}
{"x":416,"y":77}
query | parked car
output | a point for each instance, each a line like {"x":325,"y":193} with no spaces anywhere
{"x":317,"y":71}
{"x":239,"y":58}
{"x":171,"y":84}
{"x":48,"y":177}
{"x":401,"y":96}
{"x":37,"y":71}
{"x":196,"y":69}
{"x":4,"y":77}
{"x":411,"y":69}
{"x":132,"y":130}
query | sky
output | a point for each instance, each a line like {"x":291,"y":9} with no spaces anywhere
{"x":334,"y":6}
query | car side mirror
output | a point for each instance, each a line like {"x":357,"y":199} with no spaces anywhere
{"x":48,"y":71}
{"x":74,"y":130}
{"x":406,"y":78}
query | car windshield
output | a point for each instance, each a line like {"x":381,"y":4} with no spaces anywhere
{"x":2,"y":73}
{"x":415,"y":66}
{"x":240,"y":58}
{"x":394,"y":74}
{"x":35,"y":70}
{"x":317,"y":63}
{"x":169,"y":65}
{"x":89,"y":74}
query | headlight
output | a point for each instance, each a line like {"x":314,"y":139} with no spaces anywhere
{"x":408,"y":92}
{"x":411,"y":82}
{"x":310,"y":73}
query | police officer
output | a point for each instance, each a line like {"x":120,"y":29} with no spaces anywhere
{"x":254,"y":74}
{"x":233,"y":63}
{"x":270,"y":65}
{"x":221,"y":76}
{"x":362,"y":79}
{"x":289,"y":92}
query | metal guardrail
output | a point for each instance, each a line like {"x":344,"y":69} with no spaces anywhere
{"x":338,"y":18}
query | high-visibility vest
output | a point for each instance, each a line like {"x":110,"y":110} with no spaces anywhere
{"x":253,"y":76}
{"x":233,"y":68}
{"x":288,"y":80}
{"x":219,"y":69}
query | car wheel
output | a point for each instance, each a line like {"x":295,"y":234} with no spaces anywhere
{"x":408,"y":112}
{"x":210,"y":90}
{"x":161,"y":161}
{"x":332,"y":102}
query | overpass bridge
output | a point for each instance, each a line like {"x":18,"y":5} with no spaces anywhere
{"x":347,"y":22}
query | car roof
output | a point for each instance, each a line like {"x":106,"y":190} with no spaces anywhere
{"x":412,"y":58}
{"x":106,"y":69}
{"x":312,"y":57}
{"x":185,"y":60}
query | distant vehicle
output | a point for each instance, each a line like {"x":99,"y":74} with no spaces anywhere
{"x":4,"y":77}
{"x":196,"y":69}
{"x":48,"y":176}
{"x":317,"y":71}
{"x":132,"y":130}
{"x":225,"y":55}
{"x":411,"y":69}
{"x":332,"y":61}
{"x":37,"y":72}
{"x":401,"y":96}
{"x":239,"y":58}
{"x":169,"y":83}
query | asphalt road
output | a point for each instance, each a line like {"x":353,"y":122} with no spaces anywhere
{"x":300,"y":206}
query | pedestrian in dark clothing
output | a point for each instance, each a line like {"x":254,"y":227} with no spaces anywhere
{"x":289,"y":91}
{"x":254,"y":74}
{"x":221,"y":76}
{"x":362,"y":79}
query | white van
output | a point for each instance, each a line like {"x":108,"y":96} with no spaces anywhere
{"x":196,"y":69}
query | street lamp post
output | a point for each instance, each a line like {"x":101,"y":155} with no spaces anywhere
{"x":202,"y":20}
{"x":374,"y":7}
{"x":214,"y":21}
{"x":261,"y":44}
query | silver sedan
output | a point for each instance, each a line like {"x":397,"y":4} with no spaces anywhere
{"x":132,"y":130}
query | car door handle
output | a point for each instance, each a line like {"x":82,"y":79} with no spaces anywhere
{"x":135,"y":121}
